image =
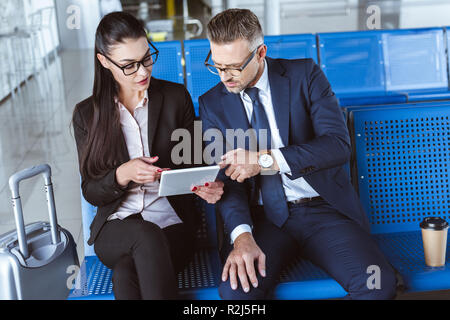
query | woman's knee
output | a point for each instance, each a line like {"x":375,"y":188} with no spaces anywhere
{"x":150,"y":236}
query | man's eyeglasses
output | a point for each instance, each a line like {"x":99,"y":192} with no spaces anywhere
{"x":234,"y":72}
{"x":133,"y":67}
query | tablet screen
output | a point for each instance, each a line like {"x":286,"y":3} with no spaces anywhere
{"x":177,"y":182}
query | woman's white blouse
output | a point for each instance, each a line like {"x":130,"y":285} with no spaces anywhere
{"x":142,"y":199}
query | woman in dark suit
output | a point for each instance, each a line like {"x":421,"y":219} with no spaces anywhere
{"x":123,"y":135}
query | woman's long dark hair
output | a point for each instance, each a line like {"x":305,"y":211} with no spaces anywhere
{"x":104,"y":132}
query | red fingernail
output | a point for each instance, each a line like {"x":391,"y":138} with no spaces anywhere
{"x":207,"y":184}
{"x":159,"y":170}
{"x":194,"y":189}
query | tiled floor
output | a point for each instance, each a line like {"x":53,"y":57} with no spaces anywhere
{"x":35,"y":129}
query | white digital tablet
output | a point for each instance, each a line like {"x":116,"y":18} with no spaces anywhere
{"x":176,"y":182}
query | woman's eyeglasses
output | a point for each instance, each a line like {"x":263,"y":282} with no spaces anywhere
{"x":234,"y":72}
{"x":133,"y":67}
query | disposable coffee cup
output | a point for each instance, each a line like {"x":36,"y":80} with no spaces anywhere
{"x":434,"y":236}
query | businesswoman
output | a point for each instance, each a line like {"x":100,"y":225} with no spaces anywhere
{"x":123,"y":136}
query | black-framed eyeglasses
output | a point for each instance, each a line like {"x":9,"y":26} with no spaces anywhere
{"x":234,"y":72}
{"x":133,"y":67}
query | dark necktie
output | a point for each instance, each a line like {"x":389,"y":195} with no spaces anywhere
{"x":272,"y":191}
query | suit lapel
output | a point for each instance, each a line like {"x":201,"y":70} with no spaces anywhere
{"x":154,"y":110}
{"x":280,"y":90}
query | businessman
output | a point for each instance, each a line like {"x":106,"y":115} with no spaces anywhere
{"x":291,"y":195}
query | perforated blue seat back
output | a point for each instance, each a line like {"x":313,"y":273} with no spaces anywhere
{"x":296,"y":46}
{"x":403,"y":165}
{"x":169,"y":66}
{"x":415,"y":59}
{"x":198,"y":79}
{"x":353,"y":62}
{"x":403,"y":105}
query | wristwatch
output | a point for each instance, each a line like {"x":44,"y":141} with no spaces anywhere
{"x":265,"y":160}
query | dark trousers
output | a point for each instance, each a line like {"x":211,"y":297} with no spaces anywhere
{"x":330,"y":240}
{"x":145,"y":259}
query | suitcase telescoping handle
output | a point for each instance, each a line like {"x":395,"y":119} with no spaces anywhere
{"x":14,"y":181}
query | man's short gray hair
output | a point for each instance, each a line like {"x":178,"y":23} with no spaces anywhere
{"x":234,"y":24}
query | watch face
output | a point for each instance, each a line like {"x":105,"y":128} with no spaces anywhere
{"x":265,"y":161}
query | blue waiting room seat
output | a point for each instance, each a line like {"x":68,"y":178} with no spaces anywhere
{"x":198,"y":79}
{"x":200,"y":279}
{"x":169,"y":65}
{"x":424,"y":104}
{"x":416,"y":63}
{"x":402,"y":170}
{"x":292,"y":46}
{"x":354,"y":64}
{"x":385,"y":67}
{"x":364,"y":67}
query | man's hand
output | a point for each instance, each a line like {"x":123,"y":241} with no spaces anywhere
{"x":242,"y":164}
{"x":241,"y":260}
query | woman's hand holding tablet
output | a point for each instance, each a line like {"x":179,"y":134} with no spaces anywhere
{"x":184,"y":181}
{"x":211,"y":192}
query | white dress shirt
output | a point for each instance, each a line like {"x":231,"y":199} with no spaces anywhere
{"x":142,"y":199}
{"x":293,"y":189}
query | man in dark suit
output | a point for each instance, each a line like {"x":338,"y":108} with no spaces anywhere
{"x":292,"y":195}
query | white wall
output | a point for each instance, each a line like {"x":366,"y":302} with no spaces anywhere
{"x":315,"y":16}
{"x":420,"y":13}
{"x":88,"y":14}
{"x":306,"y":16}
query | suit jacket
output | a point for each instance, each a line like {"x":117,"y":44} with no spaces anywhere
{"x":170,"y":107}
{"x":312,"y":128}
